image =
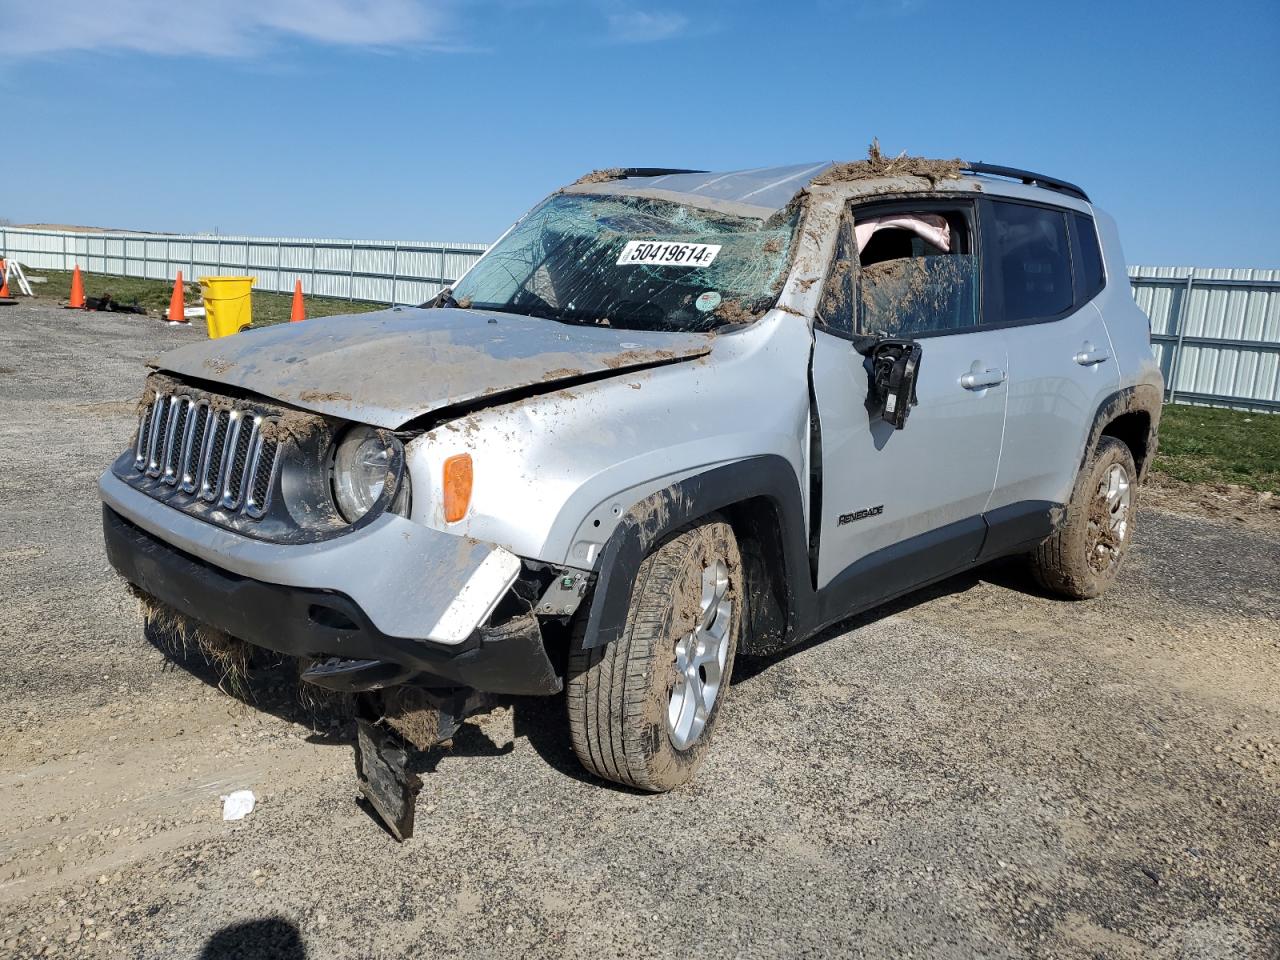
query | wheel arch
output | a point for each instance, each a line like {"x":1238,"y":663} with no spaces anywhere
{"x":1132,"y":416}
{"x":760,"y":499}
{"x":1134,"y":430}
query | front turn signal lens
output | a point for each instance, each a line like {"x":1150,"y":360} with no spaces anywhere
{"x":457,"y":487}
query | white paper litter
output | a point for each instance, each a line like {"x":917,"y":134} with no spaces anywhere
{"x":238,"y":805}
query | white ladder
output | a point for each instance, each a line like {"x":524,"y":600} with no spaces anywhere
{"x":13,"y":272}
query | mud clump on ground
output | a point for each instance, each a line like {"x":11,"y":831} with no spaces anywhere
{"x":877,"y":165}
{"x":1225,"y":502}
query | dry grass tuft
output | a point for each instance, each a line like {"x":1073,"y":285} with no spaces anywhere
{"x":600,"y":176}
{"x":322,"y":702}
{"x":410,"y":714}
{"x":878,"y":165}
{"x":228,"y":656}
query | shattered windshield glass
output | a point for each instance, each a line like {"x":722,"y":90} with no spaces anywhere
{"x":633,"y":263}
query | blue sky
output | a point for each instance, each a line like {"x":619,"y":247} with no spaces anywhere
{"x":444,"y":119}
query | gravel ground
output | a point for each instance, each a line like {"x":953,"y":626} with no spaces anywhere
{"x":976,"y":770}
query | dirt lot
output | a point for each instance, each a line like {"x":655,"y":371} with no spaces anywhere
{"x":974,"y":771}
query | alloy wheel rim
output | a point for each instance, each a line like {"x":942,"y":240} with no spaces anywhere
{"x":1109,"y":518}
{"x":700,"y":658}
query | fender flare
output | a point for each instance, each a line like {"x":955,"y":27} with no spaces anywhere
{"x":769,"y":477}
{"x":1141,"y":398}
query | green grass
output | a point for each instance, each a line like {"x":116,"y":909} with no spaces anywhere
{"x":153,"y":295}
{"x":1212,"y":445}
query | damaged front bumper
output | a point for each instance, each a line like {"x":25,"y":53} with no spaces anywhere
{"x":393,"y":602}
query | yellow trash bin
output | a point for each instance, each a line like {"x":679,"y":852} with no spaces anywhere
{"x":228,"y":304}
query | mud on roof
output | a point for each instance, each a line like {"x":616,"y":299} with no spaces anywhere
{"x":623,"y":173}
{"x":762,"y":192}
{"x":600,"y":176}
{"x":877,"y":165}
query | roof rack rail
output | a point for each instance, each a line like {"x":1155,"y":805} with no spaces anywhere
{"x":1027,"y":177}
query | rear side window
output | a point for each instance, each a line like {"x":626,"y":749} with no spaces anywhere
{"x":1090,"y":277}
{"x":1031,"y":254}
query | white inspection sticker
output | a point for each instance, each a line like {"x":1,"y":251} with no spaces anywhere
{"x":668,"y":253}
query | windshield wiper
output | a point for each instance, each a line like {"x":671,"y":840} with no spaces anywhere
{"x":444,"y":298}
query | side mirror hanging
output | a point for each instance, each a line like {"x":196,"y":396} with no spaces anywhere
{"x":894,"y":366}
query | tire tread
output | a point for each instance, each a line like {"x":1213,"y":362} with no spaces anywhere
{"x":610,"y":688}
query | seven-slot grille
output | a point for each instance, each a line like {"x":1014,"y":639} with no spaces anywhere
{"x":218,"y":454}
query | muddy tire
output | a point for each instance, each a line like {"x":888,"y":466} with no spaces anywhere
{"x":1082,"y":559}
{"x":642,"y":709}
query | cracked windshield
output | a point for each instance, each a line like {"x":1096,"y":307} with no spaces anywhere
{"x":634,"y":263}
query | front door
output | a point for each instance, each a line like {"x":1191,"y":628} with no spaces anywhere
{"x":900,"y":507}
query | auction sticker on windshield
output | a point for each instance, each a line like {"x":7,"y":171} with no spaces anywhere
{"x":668,"y":253}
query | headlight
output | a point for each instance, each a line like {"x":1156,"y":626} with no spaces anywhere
{"x":361,"y":464}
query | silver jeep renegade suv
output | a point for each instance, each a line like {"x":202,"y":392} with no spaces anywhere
{"x":669,"y":417}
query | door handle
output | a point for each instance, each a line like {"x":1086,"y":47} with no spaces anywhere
{"x":1090,"y":356}
{"x":981,"y":379}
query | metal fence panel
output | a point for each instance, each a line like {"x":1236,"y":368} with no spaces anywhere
{"x":1215,"y":331}
{"x":386,"y":271}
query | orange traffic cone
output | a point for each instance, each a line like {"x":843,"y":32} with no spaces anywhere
{"x":77,"y":291}
{"x":297,"y":312}
{"x":4,"y":280}
{"x":178,"y":302}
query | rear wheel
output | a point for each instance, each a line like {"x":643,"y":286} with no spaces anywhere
{"x":1082,"y":559}
{"x":642,"y":709}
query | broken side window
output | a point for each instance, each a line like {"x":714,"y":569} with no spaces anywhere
{"x":917,"y":275}
{"x":835,"y":308}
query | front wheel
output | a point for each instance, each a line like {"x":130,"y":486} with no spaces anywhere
{"x":1083,"y":557}
{"x":642,"y":709}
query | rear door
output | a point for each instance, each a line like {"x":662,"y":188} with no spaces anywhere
{"x":1042,"y":269}
{"x":900,"y":507}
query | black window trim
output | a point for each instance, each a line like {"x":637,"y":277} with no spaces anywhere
{"x":996,"y":302}
{"x":988,"y":285}
{"x":1077,"y":253}
{"x":928,"y":203}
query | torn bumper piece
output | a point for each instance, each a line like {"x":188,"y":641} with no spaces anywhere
{"x":382,"y":770}
{"x":326,"y":624}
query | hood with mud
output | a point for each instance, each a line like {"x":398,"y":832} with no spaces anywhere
{"x":389,"y":367}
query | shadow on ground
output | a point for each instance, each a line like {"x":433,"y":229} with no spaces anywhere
{"x":271,"y":938}
{"x":1010,"y":573}
{"x":270,"y":684}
